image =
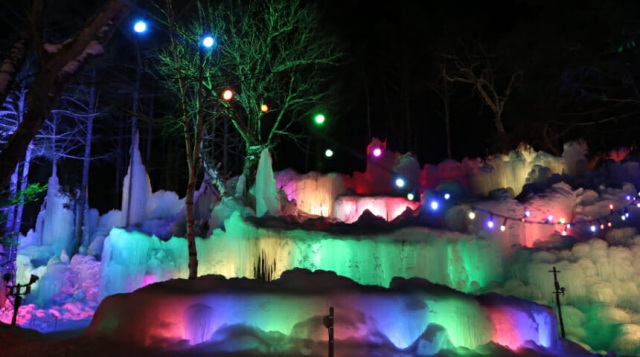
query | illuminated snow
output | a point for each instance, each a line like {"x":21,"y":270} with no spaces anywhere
{"x":292,"y":308}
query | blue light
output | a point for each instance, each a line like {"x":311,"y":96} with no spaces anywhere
{"x":447,"y":196}
{"x":140,"y":26}
{"x":400,"y":182}
{"x":593,"y":228}
{"x":434,"y":205}
{"x":208,"y":41}
{"x":490,"y":224}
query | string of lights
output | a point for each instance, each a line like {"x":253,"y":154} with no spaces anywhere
{"x":436,"y":199}
{"x":493,"y":218}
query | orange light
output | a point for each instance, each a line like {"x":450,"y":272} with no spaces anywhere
{"x":227,"y":95}
{"x":264,"y":108}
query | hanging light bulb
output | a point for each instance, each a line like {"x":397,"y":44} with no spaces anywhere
{"x":549,"y":219}
{"x":503,"y":226}
{"x":562,"y":220}
{"x":490,"y":223}
{"x":447,"y":196}
{"x":593,"y":228}
{"x":472,"y":215}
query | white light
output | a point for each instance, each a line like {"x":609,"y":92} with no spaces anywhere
{"x":472,"y":215}
{"x":490,"y":224}
{"x":400,"y":182}
{"x":447,"y":196}
{"x":140,"y":26}
{"x":328,"y":153}
{"x":593,"y":228}
{"x":410,"y":196}
{"x":434,"y":205}
{"x":503,"y":228}
{"x":208,"y":41}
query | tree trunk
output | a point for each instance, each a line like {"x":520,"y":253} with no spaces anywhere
{"x":53,"y":75}
{"x":82,"y":216}
{"x":191,"y":227}
{"x":250,"y":166}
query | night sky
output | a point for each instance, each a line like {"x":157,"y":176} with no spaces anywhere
{"x":576,"y":67}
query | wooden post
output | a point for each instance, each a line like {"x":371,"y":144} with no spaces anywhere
{"x":328,"y":323}
{"x":559,"y":290}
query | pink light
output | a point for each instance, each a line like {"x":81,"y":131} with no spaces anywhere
{"x":377,"y":152}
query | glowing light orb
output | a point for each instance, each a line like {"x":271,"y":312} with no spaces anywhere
{"x":400,"y":182}
{"x":490,"y":224}
{"x":592,"y":228}
{"x":503,"y":228}
{"x":410,"y":196}
{"x":264,"y":108}
{"x":549,"y":218}
{"x":140,"y":26}
{"x":447,"y":196}
{"x":377,"y":152}
{"x":320,"y":119}
{"x":208,"y":41}
{"x":227,"y":95}
{"x":472,"y":215}
{"x":434,"y":205}
{"x":527,"y":213}
{"x":328,"y":153}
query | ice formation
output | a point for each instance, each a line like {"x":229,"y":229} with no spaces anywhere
{"x":136,"y":190}
{"x":338,"y":231}
{"x":286,"y":316}
{"x":131,"y":259}
{"x":266,"y":191}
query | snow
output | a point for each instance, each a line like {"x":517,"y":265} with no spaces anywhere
{"x":290,"y":310}
{"x":387,"y":264}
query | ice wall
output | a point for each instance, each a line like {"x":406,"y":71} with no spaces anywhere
{"x":600,"y":304}
{"x":131,"y":259}
{"x":285,"y":316}
{"x":314,"y":193}
{"x":511,"y":171}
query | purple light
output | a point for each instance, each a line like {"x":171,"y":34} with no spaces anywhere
{"x":377,"y":152}
{"x":490,"y":224}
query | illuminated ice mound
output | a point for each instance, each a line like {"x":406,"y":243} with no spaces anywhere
{"x":412,"y":317}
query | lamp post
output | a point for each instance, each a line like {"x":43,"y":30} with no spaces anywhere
{"x":17,"y":292}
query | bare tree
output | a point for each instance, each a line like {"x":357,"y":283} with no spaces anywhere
{"x":273,"y":52}
{"x":57,"y":64}
{"x":478,"y":70}
{"x":188,"y":72}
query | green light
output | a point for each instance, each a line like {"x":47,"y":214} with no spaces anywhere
{"x":319,"y":119}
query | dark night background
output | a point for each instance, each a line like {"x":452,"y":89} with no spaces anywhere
{"x":577,"y":65}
